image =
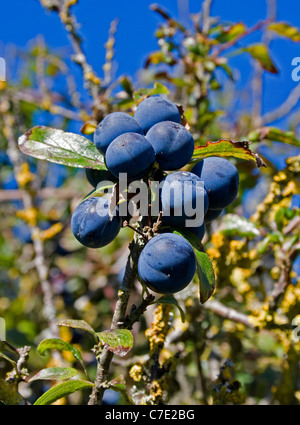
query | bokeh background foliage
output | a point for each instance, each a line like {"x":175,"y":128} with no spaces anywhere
{"x":242,"y":345}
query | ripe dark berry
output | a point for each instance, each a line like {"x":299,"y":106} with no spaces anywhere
{"x":156,"y":109}
{"x":173,"y":145}
{"x":92,"y":223}
{"x":198,"y":231}
{"x":167,"y":264}
{"x":130,"y":153}
{"x":221,"y":179}
{"x":212,"y":215}
{"x":182,"y":190}
{"x":112,"y":126}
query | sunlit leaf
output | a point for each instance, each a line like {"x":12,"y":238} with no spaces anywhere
{"x":62,"y":390}
{"x":225,"y":148}
{"x":234,"y":225}
{"x":61,"y":147}
{"x":119,"y":341}
{"x":55,"y":374}
{"x":286,"y":30}
{"x":274,"y":134}
{"x":88,"y":128}
{"x":261,"y":53}
{"x":78,"y":324}
{"x":157,"y":89}
{"x":229,"y":34}
{"x":274,"y":237}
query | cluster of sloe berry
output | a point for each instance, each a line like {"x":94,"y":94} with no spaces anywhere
{"x":132,"y":145}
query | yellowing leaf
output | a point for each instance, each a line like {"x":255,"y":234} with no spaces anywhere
{"x":260,"y":52}
{"x":286,"y":30}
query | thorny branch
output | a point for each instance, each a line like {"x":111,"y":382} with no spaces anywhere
{"x":118,"y":320}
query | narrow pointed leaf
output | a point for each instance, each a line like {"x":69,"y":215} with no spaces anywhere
{"x":78,"y":324}
{"x":12,"y":362}
{"x":285,"y":30}
{"x":59,"y":344}
{"x":231,"y":33}
{"x":61,"y":147}
{"x":224,"y":148}
{"x":260,"y":52}
{"x":55,"y":374}
{"x":62,"y":390}
{"x":206,"y":275}
{"x":119,"y":341}
{"x":274,"y":134}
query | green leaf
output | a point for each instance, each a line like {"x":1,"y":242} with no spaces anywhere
{"x":225,"y":148}
{"x":126,"y":83}
{"x":60,"y":147}
{"x":204,"y":270}
{"x":62,"y":390}
{"x":234,"y":225}
{"x":206,"y":275}
{"x":119,"y":384}
{"x":260,"y":53}
{"x":227,"y":69}
{"x":59,"y":344}
{"x":55,"y":374}
{"x":193,"y":240}
{"x":274,"y":237}
{"x":158,"y":88}
{"x":118,"y":341}
{"x":274,"y":134}
{"x":12,"y":362}
{"x":286,"y":30}
{"x":170,"y":299}
{"x":231,"y":33}
{"x":9,"y":393}
{"x":78,"y":324}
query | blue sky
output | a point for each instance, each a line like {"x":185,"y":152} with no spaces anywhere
{"x":135,"y":36}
